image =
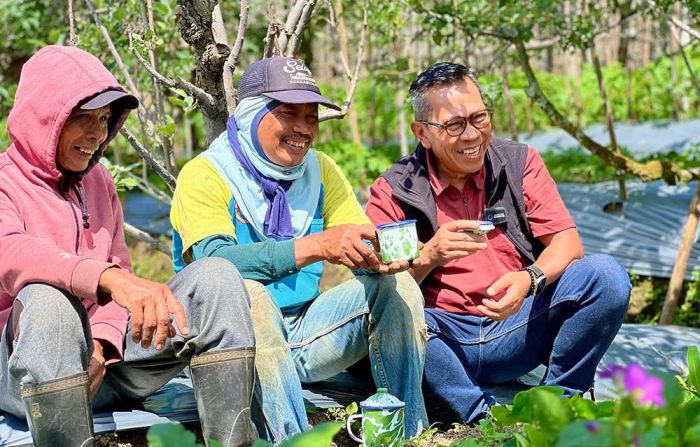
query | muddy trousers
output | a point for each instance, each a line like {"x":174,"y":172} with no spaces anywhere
{"x":376,"y":315}
{"x":48,"y":337}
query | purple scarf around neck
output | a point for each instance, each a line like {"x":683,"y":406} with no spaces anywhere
{"x":278,"y":218}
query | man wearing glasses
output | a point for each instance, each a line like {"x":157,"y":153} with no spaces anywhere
{"x":500,"y":304}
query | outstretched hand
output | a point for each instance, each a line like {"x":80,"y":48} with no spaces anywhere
{"x":452,"y":241}
{"x":150,"y":305}
{"x":345,"y":245}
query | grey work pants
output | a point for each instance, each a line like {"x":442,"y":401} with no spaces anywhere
{"x":48,"y":337}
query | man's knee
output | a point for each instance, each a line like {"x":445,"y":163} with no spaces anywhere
{"x":404,"y":299}
{"x":54,"y":312}
{"x":607,"y":277}
{"x":220,"y":278}
{"x":267,"y":318}
{"x":407,"y":290}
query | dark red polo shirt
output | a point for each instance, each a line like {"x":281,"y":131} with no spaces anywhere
{"x":460,"y":285}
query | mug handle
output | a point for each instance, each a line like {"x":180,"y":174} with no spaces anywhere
{"x":349,"y":428}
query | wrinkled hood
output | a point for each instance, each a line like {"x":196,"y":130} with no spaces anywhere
{"x":53,"y":82}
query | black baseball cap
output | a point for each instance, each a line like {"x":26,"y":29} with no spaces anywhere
{"x":107,"y":97}
{"x":286,"y":79}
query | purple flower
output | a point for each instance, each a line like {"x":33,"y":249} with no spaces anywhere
{"x":644,"y":388}
{"x":614,"y":372}
{"x":592,"y":426}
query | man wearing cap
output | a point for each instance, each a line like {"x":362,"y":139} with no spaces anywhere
{"x":501,"y":304}
{"x":261,"y":198}
{"x":77,"y":326}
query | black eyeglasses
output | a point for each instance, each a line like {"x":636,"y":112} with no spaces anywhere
{"x":456,"y":127}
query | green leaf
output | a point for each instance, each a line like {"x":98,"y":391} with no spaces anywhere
{"x":578,"y":434}
{"x":652,"y":438}
{"x":503,"y":415}
{"x":174,"y":100}
{"x":168,"y":129}
{"x":171,"y":435}
{"x":127,"y":183}
{"x":319,"y":436}
{"x":583,"y":408}
{"x":673,"y":393}
{"x":351,"y":409}
{"x":261,"y":443}
{"x":693,"y":368}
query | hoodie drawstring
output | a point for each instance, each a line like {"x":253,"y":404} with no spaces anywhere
{"x":83,"y":204}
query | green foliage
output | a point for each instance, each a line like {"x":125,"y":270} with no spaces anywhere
{"x":579,"y":166}
{"x":319,"y":436}
{"x":120,"y":174}
{"x":176,"y":435}
{"x":546,"y":419}
{"x":360,"y":164}
{"x":172,"y":435}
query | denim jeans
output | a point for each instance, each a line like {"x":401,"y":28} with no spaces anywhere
{"x":52,"y":339}
{"x":377,"y":315}
{"x":568,"y":328}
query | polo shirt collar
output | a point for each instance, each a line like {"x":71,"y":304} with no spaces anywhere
{"x":476,"y":181}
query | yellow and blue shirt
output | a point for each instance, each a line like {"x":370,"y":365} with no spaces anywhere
{"x":207,"y":222}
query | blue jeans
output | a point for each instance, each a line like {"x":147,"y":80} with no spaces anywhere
{"x":377,"y":315}
{"x":568,"y":327}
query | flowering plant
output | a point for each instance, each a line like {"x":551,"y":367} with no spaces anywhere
{"x":653,"y":409}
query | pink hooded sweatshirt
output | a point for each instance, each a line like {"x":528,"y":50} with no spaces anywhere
{"x":49,"y":233}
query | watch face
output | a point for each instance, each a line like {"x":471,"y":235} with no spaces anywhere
{"x":539,"y":285}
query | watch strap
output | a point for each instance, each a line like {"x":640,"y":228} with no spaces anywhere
{"x":535,"y":273}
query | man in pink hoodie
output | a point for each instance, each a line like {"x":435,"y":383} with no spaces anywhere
{"x":67,"y":297}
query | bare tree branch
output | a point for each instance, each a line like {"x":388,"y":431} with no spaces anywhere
{"x":147,"y":238}
{"x":205,"y":100}
{"x":152,"y":162}
{"x":291,"y":23}
{"x":73,"y":37}
{"x":299,"y":29}
{"x":273,"y":32}
{"x":148,"y":188}
{"x":113,"y":50}
{"x":147,"y":19}
{"x":334,"y":28}
{"x":232,"y":61}
{"x":693,"y":77}
{"x":608,"y":112}
{"x":675,"y":20}
{"x":333,"y":114}
{"x":218,"y":27}
{"x":649,"y":171}
{"x":218,"y":30}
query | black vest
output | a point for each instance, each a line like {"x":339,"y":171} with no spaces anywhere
{"x":505,"y":166}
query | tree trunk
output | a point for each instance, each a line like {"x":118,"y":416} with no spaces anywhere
{"x":194,"y":19}
{"x":512,"y":124}
{"x":343,"y":40}
{"x":403,"y":127}
{"x":624,"y":42}
{"x":608,"y":113}
{"x":685,"y":246}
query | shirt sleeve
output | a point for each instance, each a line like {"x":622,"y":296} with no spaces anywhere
{"x":382,"y":207}
{"x":265,"y":262}
{"x":340,"y":206}
{"x":201,"y":204}
{"x":546,"y":212}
